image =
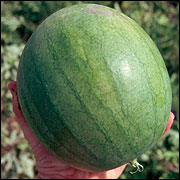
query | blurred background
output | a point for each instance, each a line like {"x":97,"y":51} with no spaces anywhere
{"x":160,"y":19}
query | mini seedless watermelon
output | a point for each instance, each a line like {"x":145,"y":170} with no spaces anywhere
{"x":93,"y":87}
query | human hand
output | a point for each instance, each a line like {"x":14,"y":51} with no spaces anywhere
{"x":48,"y":166}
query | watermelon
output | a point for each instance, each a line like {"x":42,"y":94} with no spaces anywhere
{"x":93,"y":87}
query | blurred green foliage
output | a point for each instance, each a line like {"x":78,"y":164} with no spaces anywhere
{"x":160,"y":19}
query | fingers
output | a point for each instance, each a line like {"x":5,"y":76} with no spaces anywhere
{"x":16,"y":107}
{"x":170,"y":122}
{"x":111,"y":174}
{"x":12,"y":86}
{"x":28,"y":134}
{"x":115,"y":173}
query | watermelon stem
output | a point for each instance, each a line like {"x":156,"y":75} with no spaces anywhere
{"x":135,"y":164}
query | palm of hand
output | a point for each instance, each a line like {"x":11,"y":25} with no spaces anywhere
{"x":48,"y":166}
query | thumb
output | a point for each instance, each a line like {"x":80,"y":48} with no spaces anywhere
{"x":16,"y":107}
{"x":170,"y":122}
{"x":28,"y":134}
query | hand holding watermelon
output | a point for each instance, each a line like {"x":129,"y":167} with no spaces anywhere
{"x":49,"y":166}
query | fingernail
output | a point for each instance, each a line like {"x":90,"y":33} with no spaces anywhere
{"x":172,"y":116}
